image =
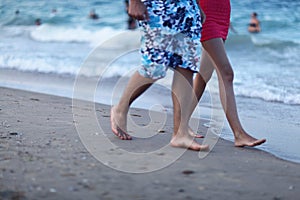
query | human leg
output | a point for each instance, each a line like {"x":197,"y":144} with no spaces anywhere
{"x":181,"y":96}
{"x":136,"y":86}
{"x":201,"y":78}
{"x":200,"y":82}
{"x":215,"y":48}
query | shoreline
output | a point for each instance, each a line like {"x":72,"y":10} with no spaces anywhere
{"x":42,"y":156}
{"x":261,"y":119}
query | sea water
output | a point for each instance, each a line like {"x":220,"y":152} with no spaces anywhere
{"x":47,"y":58}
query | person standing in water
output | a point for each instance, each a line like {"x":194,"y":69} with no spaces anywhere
{"x":93,"y":14}
{"x":254,"y":24}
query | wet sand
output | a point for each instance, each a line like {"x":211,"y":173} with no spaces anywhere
{"x":42,"y":156}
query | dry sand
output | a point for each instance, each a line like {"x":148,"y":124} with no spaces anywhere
{"x":42,"y":157}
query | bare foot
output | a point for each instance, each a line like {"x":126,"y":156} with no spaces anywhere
{"x":118,"y":130}
{"x":247,"y":140}
{"x":186,"y":141}
{"x":195,"y":135}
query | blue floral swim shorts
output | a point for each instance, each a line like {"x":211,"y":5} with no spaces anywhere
{"x":171,"y":37}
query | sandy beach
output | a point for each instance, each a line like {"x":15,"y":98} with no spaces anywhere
{"x":42,"y":157}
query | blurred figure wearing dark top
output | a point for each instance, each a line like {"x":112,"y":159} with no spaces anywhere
{"x":38,"y":22}
{"x":254,"y":24}
{"x":93,"y":14}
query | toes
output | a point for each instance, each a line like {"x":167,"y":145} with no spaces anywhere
{"x":258,"y":142}
{"x":117,"y":133}
{"x":197,"y":147}
{"x":127,"y":137}
{"x":251,"y":144}
{"x":204,"y":148}
{"x":123,"y":135}
{"x":194,"y":147}
{"x":116,"y":129}
{"x":198,"y":136}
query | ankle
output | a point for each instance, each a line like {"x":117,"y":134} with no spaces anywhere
{"x":238,"y":133}
{"x":117,"y":109}
{"x":180,"y":133}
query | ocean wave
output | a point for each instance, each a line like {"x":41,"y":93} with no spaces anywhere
{"x":119,"y":68}
{"x":37,"y":65}
{"x":62,"y":50}
{"x":19,"y":21}
{"x":49,"y":33}
{"x":269,"y":95}
{"x":264,"y":41}
{"x":29,"y":20}
{"x":260,"y":40}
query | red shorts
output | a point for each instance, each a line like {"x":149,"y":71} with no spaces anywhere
{"x":217,"y":20}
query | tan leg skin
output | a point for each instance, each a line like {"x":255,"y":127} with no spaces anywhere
{"x":206,"y":70}
{"x":181,"y":95}
{"x":183,"y":90}
{"x":136,"y":86}
{"x":216,"y":50}
{"x":202,"y":78}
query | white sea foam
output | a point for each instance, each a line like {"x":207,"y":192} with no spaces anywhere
{"x":268,"y":93}
{"x":36,"y":65}
{"x":50,"y":33}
